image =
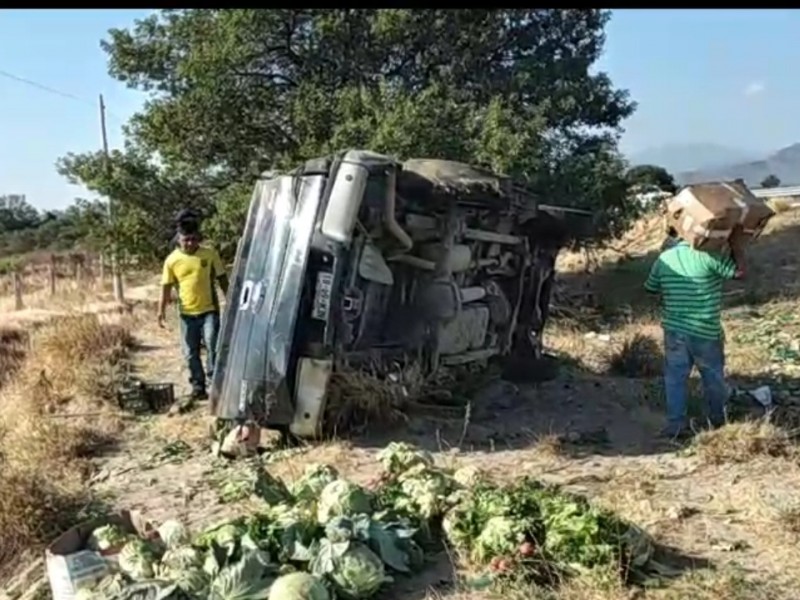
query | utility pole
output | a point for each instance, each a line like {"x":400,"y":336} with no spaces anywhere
{"x":116,"y":278}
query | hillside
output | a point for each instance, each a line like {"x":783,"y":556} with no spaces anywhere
{"x":785,"y":164}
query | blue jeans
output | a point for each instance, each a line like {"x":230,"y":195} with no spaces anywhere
{"x":197,"y":330}
{"x":682,"y":352}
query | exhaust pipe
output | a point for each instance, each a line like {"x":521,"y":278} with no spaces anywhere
{"x":389,"y":212}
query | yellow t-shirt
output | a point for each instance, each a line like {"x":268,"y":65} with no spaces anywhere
{"x":195,"y":275}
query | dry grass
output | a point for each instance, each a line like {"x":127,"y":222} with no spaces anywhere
{"x":44,"y":438}
{"x":789,"y":519}
{"x":549,"y":445}
{"x":743,"y":442}
{"x":630,"y":349}
{"x":190,"y":427}
{"x":704,"y":584}
{"x":728,"y":584}
{"x":639,"y":355}
{"x":633,"y":496}
{"x":36,"y":289}
{"x":13,"y":347}
{"x":94,"y":344}
{"x":644,"y":236}
{"x":357,"y":399}
{"x":781,"y":205}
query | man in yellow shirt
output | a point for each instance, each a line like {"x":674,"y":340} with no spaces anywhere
{"x":194,"y":269}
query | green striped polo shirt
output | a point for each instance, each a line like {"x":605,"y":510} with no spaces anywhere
{"x":690,"y":284}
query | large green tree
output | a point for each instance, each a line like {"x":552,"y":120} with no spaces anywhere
{"x":235,"y":91}
{"x":647,"y":176}
{"x":82,"y":226}
{"x":16,"y":213}
{"x":770,"y":181}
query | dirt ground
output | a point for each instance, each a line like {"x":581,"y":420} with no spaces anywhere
{"x":730,"y":517}
{"x":594,"y":435}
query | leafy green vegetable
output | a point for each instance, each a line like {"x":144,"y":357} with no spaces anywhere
{"x":392,"y":542}
{"x":108,"y":537}
{"x":342,"y":498}
{"x":501,"y":536}
{"x":579,"y":535}
{"x":193,"y":581}
{"x":298,"y":586}
{"x":247,"y":579}
{"x":399,"y":457}
{"x":469,"y":477}
{"x":254,"y":480}
{"x":179,"y":559}
{"x":331,"y":529}
{"x":427,"y":491}
{"x":309,"y":487}
{"x":339,"y":529}
{"x":223,"y":534}
{"x":137,"y":559}
{"x":292,"y":531}
{"x":173,"y":534}
{"x":355,"y":571}
{"x":146,"y":590}
{"x":541,"y":523}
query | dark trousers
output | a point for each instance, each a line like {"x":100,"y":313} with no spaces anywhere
{"x":196,"y":331}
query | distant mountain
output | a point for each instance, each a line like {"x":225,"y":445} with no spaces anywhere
{"x":679,"y":158}
{"x":784,"y":164}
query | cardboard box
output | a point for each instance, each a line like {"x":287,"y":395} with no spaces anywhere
{"x":705,"y":214}
{"x":70,"y":567}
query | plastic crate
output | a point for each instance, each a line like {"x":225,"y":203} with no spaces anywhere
{"x":147,"y":398}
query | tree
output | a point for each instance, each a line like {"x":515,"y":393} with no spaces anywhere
{"x":145,"y":195}
{"x":651,"y":176}
{"x":16,"y":213}
{"x":81,"y":226}
{"x":770,"y":181}
{"x":233,"y":92}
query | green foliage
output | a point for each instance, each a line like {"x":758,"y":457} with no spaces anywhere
{"x":145,"y":198}
{"x":770,"y":181}
{"x":237,"y":91}
{"x":16,"y":213}
{"x":24,"y":230}
{"x":230,"y":210}
{"x":651,"y":176}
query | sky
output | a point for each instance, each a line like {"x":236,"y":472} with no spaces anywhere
{"x":726,"y":77}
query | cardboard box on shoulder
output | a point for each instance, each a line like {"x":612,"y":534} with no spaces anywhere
{"x":705,"y":214}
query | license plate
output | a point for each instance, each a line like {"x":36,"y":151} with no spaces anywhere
{"x":322,"y":296}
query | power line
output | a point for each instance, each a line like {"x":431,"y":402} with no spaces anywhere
{"x":47,"y":88}
{"x":42,"y":87}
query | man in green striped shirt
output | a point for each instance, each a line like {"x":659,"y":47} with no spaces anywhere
{"x":690,"y":282}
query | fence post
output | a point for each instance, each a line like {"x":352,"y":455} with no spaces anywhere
{"x":17,"y":290}
{"x":52,"y":274}
{"x":79,"y":272}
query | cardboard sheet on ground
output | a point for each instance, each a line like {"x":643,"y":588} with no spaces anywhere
{"x":70,"y":567}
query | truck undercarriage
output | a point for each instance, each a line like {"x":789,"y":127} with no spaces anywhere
{"x":357,"y":260}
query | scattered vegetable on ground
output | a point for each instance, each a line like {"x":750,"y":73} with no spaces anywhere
{"x":323,"y":537}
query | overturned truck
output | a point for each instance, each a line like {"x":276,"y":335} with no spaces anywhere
{"x":357,"y":259}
